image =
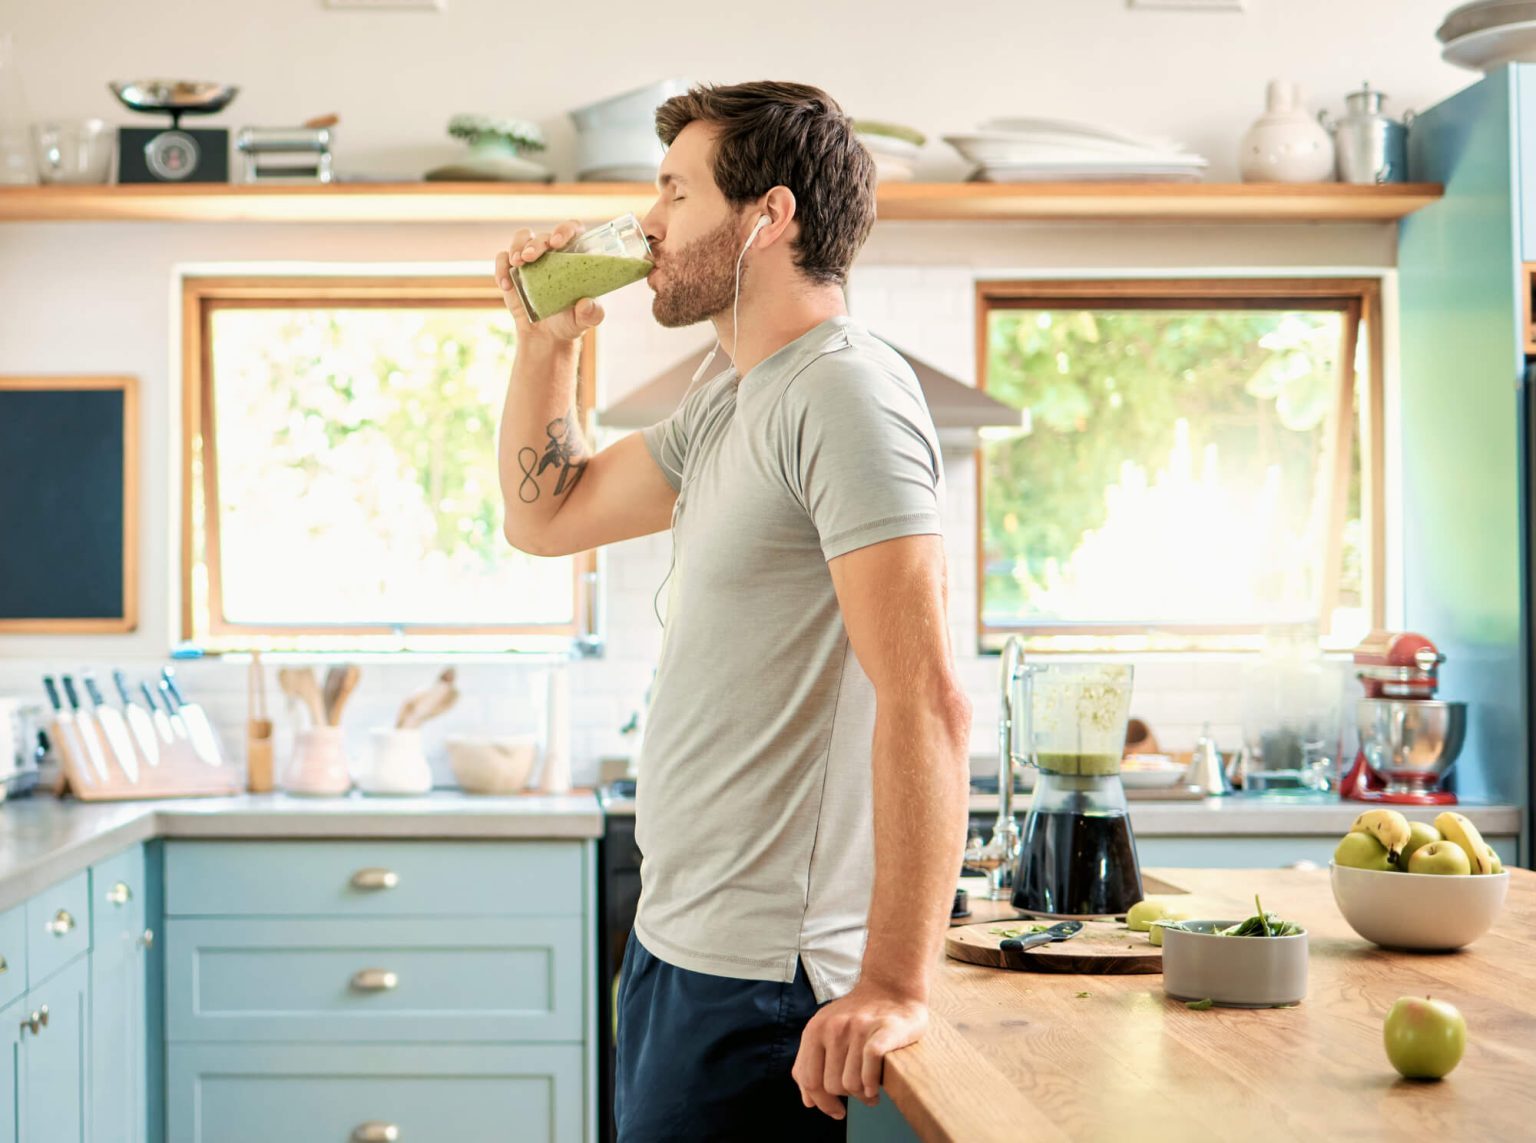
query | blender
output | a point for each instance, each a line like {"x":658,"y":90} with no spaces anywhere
{"x":1077,"y":856}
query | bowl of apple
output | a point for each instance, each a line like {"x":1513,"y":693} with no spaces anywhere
{"x":1413,"y":885}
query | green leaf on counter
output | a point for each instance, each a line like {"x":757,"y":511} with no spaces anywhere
{"x":1200,"y":1005}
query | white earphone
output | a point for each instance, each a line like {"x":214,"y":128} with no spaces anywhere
{"x":762,"y":221}
{"x":757,"y":228}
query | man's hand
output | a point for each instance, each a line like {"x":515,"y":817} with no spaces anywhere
{"x":525,"y":247}
{"x":844,"y":1045}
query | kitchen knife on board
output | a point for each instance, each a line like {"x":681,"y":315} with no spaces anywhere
{"x":178,"y":724}
{"x":90,"y":734}
{"x":205,"y":739}
{"x":139,"y":723}
{"x":115,"y":729}
{"x":163,"y":730}
{"x":66,"y":737}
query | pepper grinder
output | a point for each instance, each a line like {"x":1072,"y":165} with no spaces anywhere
{"x":1205,"y":768}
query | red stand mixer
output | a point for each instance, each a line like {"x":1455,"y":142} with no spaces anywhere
{"x":1409,"y":739}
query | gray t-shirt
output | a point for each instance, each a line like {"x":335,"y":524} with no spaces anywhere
{"x":754,"y":809}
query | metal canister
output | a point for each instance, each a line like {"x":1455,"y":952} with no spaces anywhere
{"x":1371,"y":147}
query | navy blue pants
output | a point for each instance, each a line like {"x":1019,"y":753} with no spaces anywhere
{"x":707,"y":1058}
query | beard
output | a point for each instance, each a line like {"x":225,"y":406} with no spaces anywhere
{"x":700,"y":279}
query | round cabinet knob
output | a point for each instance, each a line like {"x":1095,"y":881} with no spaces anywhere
{"x":148,"y":939}
{"x":5,"y":965}
{"x":375,"y":878}
{"x":120,"y":894}
{"x":375,"y":1132}
{"x":34,"y":1022}
{"x":42,"y":1015}
{"x":62,"y":923}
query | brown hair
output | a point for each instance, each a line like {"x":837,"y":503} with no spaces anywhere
{"x":793,"y":135}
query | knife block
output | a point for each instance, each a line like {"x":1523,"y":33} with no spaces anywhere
{"x":179,"y":772}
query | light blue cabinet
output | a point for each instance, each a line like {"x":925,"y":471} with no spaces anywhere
{"x":228,"y":1093}
{"x":371,"y":990}
{"x":118,"y":1041}
{"x":53,"y":1058}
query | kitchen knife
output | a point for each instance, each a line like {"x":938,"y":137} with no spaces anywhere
{"x":89,"y":733}
{"x":162,"y":723}
{"x":1061,"y":932}
{"x":178,"y":724}
{"x":205,"y":739}
{"x":138,"y":722}
{"x":66,"y":736}
{"x":110,"y":719}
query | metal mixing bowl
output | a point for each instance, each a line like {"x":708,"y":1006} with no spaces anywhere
{"x":1411,"y":743}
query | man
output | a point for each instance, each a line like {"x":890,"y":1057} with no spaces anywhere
{"x":801,"y":806}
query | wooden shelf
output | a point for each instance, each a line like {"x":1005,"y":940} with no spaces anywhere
{"x":503,"y":202}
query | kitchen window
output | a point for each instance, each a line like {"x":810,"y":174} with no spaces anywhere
{"x":1196,"y":461}
{"x":340,"y":474}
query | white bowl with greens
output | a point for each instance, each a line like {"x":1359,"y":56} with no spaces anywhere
{"x":1260,"y":962}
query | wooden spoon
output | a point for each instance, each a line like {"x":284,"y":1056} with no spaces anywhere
{"x":340,"y":682}
{"x":300,"y":683}
{"x":430,"y":702}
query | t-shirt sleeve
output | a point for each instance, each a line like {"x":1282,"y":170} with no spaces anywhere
{"x":862,"y":455}
{"x":668,"y":440}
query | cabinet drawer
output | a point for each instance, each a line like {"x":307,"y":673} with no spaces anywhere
{"x":466,"y":979}
{"x":117,"y":901}
{"x":226,"y":1093}
{"x":58,"y":927}
{"x":13,"y":954}
{"x":373,"y":878}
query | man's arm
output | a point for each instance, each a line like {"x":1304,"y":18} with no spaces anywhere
{"x":893,"y":597}
{"x":558,"y":497}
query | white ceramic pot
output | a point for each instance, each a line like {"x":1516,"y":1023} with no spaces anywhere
{"x":319,"y":763}
{"x":398,"y":765}
{"x":1285,"y":144}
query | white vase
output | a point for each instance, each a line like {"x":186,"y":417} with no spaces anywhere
{"x":1285,"y":144}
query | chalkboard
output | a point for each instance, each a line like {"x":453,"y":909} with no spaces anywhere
{"x":68,"y":504}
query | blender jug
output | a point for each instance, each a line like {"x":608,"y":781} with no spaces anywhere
{"x":1078,"y":855}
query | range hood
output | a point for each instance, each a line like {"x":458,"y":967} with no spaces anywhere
{"x":958,"y":410}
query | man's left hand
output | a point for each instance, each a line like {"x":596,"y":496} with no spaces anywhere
{"x":845,"y":1043}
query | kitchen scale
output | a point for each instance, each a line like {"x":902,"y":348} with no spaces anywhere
{"x":177,"y":154}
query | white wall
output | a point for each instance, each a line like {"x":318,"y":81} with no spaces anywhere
{"x":101,"y":297}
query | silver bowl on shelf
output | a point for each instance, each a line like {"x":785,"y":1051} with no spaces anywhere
{"x":173,"y":97}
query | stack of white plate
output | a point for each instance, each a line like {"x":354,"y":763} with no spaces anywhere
{"x":1489,"y":33}
{"x":1055,"y":150}
{"x":895,"y":159}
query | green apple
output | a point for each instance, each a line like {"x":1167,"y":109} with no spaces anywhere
{"x":1495,"y":863}
{"x":1424,"y":1038}
{"x":1141,"y":915}
{"x":1445,"y":857}
{"x":1419,"y":834}
{"x":1362,"y":851}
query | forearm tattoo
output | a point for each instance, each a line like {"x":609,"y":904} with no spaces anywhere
{"x":565,"y":450}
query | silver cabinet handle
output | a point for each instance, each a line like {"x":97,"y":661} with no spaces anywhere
{"x":61,"y":924}
{"x":120,"y":894}
{"x":42,"y":1015}
{"x":374,"y":980}
{"x":375,"y":878}
{"x":33,"y":1022}
{"x":148,"y":939}
{"x":375,"y":1132}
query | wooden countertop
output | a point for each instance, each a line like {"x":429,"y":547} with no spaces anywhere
{"x":1016,"y":1055}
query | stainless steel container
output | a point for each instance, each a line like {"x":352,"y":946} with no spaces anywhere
{"x":1411,"y":743}
{"x":1371,"y":147}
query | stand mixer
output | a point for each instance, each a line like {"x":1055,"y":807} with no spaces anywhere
{"x":1409,"y":740}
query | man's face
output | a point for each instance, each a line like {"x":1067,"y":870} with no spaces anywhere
{"x":694,"y":235}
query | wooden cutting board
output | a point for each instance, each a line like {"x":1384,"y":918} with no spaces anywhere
{"x":1103,"y":947}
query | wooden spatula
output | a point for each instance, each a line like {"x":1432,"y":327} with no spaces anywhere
{"x":340,"y":682}
{"x":429,"y":703}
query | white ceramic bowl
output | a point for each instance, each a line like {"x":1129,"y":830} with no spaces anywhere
{"x":1422,"y":911}
{"x":1235,"y":972}
{"x":492,"y":765}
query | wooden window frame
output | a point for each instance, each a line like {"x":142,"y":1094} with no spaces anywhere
{"x":1358,"y":299}
{"x":201,"y":298}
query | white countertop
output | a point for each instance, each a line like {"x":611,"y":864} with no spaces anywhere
{"x":44,"y":840}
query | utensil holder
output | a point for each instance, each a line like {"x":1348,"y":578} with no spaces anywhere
{"x":398,"y":765}
{"x":319,"y":763}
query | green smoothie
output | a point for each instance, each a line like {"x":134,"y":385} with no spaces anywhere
{"x":556,"y":282}
{"x":1085,"y":764}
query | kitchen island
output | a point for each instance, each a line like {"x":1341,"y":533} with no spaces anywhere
{"x":1016,"y":1055}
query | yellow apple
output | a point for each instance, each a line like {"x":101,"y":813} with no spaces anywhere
{"x":1424,"y":1038}
{"x":1445,"y":857}
{"x":1362,"y":851}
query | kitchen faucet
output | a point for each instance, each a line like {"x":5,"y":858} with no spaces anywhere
{"x":1005,"y":841}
